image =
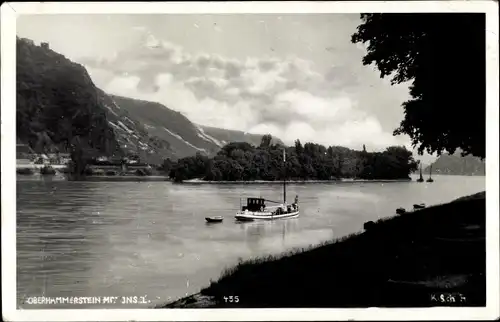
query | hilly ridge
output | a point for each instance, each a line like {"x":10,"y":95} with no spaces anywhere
{"x":455,"y":164}
{"x":59,"y":109}
{"x":225,"y":136}
{"x":184,"y":137}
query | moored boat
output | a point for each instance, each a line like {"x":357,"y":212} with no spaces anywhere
{"x":421,"y":179}
{"x":430,"y":175}
{"x":419,"y":206}
{"x":214,"y":219}
{"x":257,"y":209}
{"x":400,"y":211}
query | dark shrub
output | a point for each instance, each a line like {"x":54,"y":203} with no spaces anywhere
{"x":368,"y":225}
{"x":26,"y":171}
{"x":47,"y":170}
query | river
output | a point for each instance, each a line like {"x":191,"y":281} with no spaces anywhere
{"x":150,"y":239}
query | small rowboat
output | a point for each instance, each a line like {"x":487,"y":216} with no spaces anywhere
{"x":401,"y":211}
{"x":214,"y":219}
{"x":419,"y":206}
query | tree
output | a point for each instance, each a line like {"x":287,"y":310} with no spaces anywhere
{"x":443,"y":57}
{"x":298,"y":147}
{"x":266,"y":141}
{"x":167,"y":165}
{"x":237,"y":161}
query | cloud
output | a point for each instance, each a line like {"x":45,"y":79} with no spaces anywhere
{"x":284,"y":96}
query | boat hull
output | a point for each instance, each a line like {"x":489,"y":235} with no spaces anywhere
{"x":213,"y":220}
{"x":419,"y":206}
{"x":251,"y":216}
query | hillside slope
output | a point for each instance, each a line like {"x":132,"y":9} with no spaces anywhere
{"x":58,"y":105}
{"x":225,"y":136}
{"x":132,"y":135}
{"x":59,"y":108}
{"x":185,"y":138}
{"x":457,"y":165}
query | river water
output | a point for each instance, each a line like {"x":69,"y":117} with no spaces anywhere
{"x":150,"y":239}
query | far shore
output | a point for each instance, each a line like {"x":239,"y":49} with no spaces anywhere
{"x":94,"y":178}
{"x":134,"y":178}
{"x":125,"y":178}
{"x":201,"y":181}
{"x":156,"y":177}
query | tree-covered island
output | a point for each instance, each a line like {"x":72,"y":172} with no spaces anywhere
{"x":241,"y":161}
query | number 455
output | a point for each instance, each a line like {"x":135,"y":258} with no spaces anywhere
{"x":231,"y":299}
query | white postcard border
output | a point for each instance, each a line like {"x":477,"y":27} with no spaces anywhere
{"x":9,"y":12}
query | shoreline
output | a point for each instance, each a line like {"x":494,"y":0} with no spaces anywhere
{"x":64,"y":176}
{"x":200,"y":181}
{"x":125,"y":178}
{"x":397,"y":261}
{"x":103,"y":178}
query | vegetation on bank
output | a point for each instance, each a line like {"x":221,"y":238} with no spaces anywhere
{"x":400,"y":261}
{"x":45,"y":170}
{"x":239,"y":161}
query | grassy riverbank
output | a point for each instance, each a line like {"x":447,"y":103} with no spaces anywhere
{"x":398,"y":262}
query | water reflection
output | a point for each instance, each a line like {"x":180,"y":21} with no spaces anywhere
{"x":260,"y":234}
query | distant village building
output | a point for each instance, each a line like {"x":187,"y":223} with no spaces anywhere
{"x":26,"y":157}
{"x":126,"y":164}
{"x":59,"y":158}
{"x":42,"y":159}
{"x":45,"y":45}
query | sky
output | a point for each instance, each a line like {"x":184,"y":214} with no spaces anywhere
{"x":296,"y":76}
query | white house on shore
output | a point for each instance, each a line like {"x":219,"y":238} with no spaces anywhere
{"x":26,"y":158}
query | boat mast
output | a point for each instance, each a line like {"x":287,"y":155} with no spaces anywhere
{"x":284,"y":177}
{"x":430,"y":172}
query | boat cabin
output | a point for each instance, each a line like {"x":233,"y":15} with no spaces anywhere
{"x":254,"y":204}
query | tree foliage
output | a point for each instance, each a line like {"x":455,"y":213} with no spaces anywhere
{"x":443,"y":56}
{"x":242,"y":161}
